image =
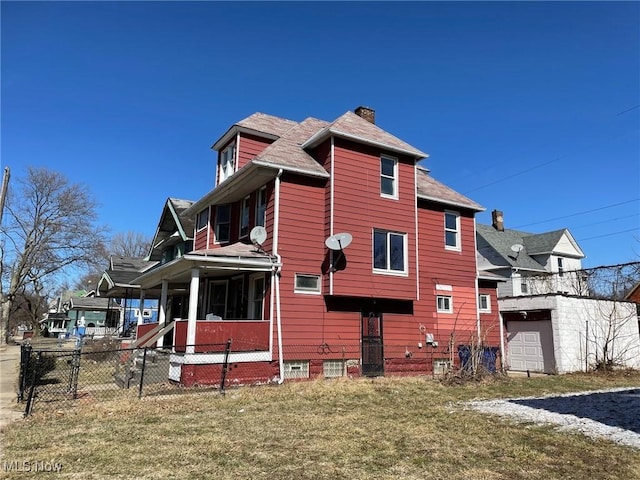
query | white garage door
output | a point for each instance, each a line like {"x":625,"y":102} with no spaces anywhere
{"x":530,"y":344}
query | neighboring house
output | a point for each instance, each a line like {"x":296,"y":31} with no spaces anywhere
{"x":324,"y":249}
{"x":551,"y":324}
{"x":531,"y":263}
{"x":100,"y":315}
{"x":116,"y":284}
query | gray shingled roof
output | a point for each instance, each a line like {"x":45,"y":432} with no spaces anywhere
{"x":89,"y":303}
{"x":172,"y":223}
{"x":543,"y":242}
{"x":431,"y":189}
{"x":496,"y":245}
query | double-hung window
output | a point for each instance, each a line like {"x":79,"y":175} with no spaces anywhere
{"x":223,"y":223}
{"x":484,"y":303}
{"x":451,"y":230}
{"x":244,"y":217}
{"x":560,"y":267}
{"x":444,"y":304}
{"x":261,"y":207}
{"x":388,"y":177}
{"x":203,"y":219}
{"x":227,"y":162}
{"x":389,"y":252}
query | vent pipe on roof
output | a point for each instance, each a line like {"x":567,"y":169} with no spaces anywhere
{"x":497,"y":218}
{"x":369,"y":114}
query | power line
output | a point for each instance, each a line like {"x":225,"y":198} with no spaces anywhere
{"x":579,"y":213}
{"x":574,"y":228}
{"x":609,"y":234}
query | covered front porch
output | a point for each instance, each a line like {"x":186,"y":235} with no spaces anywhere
{"x":212,"y":297}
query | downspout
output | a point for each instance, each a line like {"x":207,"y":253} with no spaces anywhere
{"x":502,"y":359}
{"x":276,"y":277}
{"x":475,"y":253}
{"x":331,"y":205}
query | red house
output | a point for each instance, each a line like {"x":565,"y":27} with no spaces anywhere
{"x":324,"y":249}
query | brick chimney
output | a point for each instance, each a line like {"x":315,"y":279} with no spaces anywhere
{"x":498,"y":220}
{"x":369,"y":114}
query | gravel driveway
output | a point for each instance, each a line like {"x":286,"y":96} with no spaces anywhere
{"x":613,"y":414}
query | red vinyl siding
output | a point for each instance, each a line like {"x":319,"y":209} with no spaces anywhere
{"x":358,"y":208}
{"x":301,"y":245}
{"x":490,"y":321}
{"x":450,"y":268}
{"x":250,"y":146}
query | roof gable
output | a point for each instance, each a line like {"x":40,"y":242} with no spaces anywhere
{"x":356,"y":128}
{"x":172,"y":225}
{"x":558,"y":242}
{"x":286,"y":152}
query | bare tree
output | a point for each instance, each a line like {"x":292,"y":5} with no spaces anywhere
{"x":50,"y":232}
{"x":130,"y":244}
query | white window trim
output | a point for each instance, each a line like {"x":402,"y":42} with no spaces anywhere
{"x":405,"y":246}
{"x":216,"y":227}
{"x":252,"y":290}
{"x":245,"y":202}
{"x":442,"y":310}
{"x":206,"y":213}
{"x":458,"y":246}
{"x":480,"y":308}
{"x":296,"y":369}
{"x":223,"y":172}
{"x":262,"y":192}
{"x":393,"y":196}
{"x":306,"y":291}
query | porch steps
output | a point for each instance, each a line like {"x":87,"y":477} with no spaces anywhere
{"x":156,"y":369}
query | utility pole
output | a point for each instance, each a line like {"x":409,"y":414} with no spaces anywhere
{"x":3,"y":192}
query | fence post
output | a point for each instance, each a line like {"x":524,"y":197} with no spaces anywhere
{"x":34,"y":379}
{"x":25,"y":359}
{"x":144,"y":364}
{"x":225,"y":365}
{"x":75,"y":373}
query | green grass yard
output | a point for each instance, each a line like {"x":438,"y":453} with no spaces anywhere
{"x":384,"y":428}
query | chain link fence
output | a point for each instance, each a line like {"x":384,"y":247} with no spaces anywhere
{"x":74,"y":374}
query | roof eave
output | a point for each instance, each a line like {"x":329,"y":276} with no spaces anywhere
{"x":234,"y":130}
{"x":327,"y":133}
{"x":475,"y":208}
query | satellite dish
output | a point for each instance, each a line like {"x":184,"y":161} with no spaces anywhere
{"x":517,"y":247}
{"x":338,"y":241}
{"x":258,"y":235}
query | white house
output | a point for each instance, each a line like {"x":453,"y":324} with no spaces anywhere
{"x":551,"y":324}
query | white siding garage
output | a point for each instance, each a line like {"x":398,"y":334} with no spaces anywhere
{"x":530,"y":346}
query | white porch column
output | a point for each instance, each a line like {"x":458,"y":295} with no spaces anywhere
{"x":162,"y":309}
{"x":193,"y":310}
{"x":141,"y":307}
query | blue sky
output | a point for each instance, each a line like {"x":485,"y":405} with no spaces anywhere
{"x":532,"y":108}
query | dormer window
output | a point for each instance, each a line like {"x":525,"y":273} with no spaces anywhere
{"x":388,"y":177}
{"x":227,"y":162}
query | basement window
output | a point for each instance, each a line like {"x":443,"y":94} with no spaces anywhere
{"x":334,"y":368}
{"x":296,"y":369}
